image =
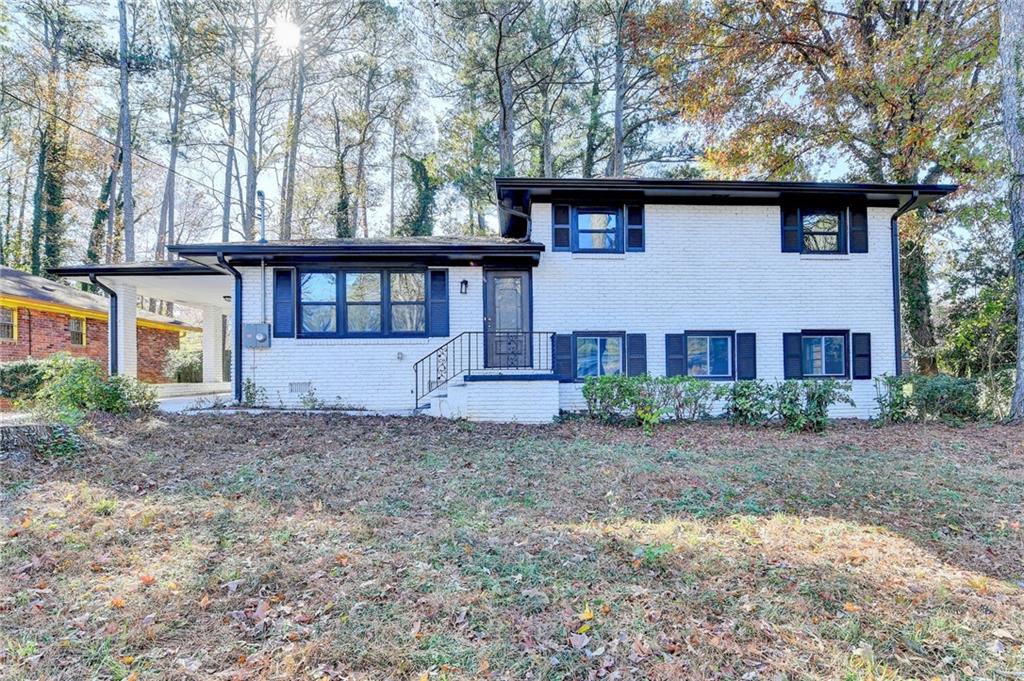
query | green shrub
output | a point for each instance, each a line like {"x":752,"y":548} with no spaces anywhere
{"x":21,"y":380}
{"x":184,"y":365}
{"x":804,"y":405}
{"x":915,"y":397}
{"x":750,"y":403}
{"x":688,"y":398}
{"x":607,"y":397}
{"x":75,"y":385}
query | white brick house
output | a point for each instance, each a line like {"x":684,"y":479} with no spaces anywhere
{"x":720,"y":280}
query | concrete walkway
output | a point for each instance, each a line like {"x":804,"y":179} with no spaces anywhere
{"x":186,"y":402}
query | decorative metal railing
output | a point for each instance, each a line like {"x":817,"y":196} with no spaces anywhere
{"x":483,"y":352}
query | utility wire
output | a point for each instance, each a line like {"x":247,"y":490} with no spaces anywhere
{"x":101,"y":138}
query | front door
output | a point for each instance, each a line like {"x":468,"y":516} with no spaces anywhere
{"x":507,"y":339}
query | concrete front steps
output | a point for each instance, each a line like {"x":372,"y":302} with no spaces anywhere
{"x":498,"y":398}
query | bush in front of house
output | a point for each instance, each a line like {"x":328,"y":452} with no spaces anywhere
{"x":916,"y":397}
{"x":184,"y":365}
{"x":72,"y":386}
{"x":20,"y":381}
{"x":750,"y":403}
{"x":804,"y":405}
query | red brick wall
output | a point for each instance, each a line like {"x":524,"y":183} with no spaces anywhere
{"x":41,"y":334}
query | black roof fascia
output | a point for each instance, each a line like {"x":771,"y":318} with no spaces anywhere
{"x":127,"y":270}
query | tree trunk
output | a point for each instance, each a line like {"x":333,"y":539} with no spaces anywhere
{"x":35,"y":247}
{"x":1011,"y":57}
{"x":506,"y":124}
{"x":292,"y":153}
{"x":229,"y":161}
{"x":917,"y":302}
{"x":391,"y":182}
{"x":165,"y":233}
{"x":252,"y":130}
{"x":593,"y":120}
{"x":126,"y":135}
{"x":617,"y":163}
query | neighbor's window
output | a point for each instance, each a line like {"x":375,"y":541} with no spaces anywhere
{"x":822,"y":231}
{"x":8,"y":324}
{"x":824,"y":355}
{"x":598,"y":356}
{"x":363,"y":302}
{"x":709,"y":356}
{"x":318,"y":303}
{"x":76,"y":325}
{"x":408,"y":302}
{"x":597,"y":229}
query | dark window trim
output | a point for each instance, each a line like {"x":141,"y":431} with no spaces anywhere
{"x":621,"y":335}
{"x":341,"y":305}
{"x":845,"y":333}
{"x":842,"y":246}
{"x":598,"y":210}
{"x":732,"y":353}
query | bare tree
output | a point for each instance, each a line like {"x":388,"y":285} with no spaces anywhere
{"x":128,"y":209}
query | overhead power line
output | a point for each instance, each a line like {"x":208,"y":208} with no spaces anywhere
{"x":101,"y":138}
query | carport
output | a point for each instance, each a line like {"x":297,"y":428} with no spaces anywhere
{"x":181,"y":282}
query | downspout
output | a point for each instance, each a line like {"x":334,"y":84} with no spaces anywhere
{"x":895,"y":246}
{"x":112,"y":322}
{"x":236,"y":355}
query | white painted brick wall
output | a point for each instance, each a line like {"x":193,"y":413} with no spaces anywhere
{"x":519,"y":401}
{"x":719,"y":267}
{"x":374,"y":374}
{"x":704,"y":267}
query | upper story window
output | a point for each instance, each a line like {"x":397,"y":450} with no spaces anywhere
{"x":8,"y":324}
{"x":597,"y":229}
{"x":824,"y":229}
{"x":362,"y":303}
{"x":76,"y":326}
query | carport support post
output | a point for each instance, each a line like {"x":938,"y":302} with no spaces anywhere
{"x":127,"y":344}
{"x":213,"y":344}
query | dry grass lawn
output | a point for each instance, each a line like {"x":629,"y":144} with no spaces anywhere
{"x":293,"y":547}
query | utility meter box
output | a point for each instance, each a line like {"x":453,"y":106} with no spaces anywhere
{"x":256,"y":335}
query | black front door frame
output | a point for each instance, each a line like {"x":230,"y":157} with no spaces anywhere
{"x":488,"y":320}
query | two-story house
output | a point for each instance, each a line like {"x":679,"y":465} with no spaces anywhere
{"x":723,"y":281}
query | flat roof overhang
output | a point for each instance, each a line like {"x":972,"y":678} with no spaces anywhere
{"x":354,"y":253}
{"x":710,"y":191}
{"x":179,"y":281}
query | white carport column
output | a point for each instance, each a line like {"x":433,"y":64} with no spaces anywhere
{"x":127,"y":343}
{"x":213,"y":344}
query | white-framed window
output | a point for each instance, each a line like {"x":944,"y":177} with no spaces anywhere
{"x":823,"y":355}
{"x":77,"y":327}
{"x":8,"y":323}
{"x":709,"y":355}
{"x":599,"y":354}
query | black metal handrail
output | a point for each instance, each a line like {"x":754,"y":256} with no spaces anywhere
{"x":482,"y":352}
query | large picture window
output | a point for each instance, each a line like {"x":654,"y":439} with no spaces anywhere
{"x":823,"y":355}
{"x":599,"y":354}
{"x":362,"y":303}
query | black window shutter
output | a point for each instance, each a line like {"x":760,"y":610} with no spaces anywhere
{"x":284,"y":303}
{"x":634,"y":228}
{"x":861,"y":355}
{"x":858,"y":228}
{"x":746,"y":356}
{"x":438,"y":313}
{"x":561,"y":232}
{"x":561,"y":356}
{"x":675,"y":354}
{"x":791,"y":230}
{"x":792,"y":350}
{"x":636,"y":354}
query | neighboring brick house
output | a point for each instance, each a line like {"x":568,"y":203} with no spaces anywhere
{"x":39,"y":317}
{"x":718,"y":280}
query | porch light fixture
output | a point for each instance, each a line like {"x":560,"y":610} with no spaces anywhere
{"x":464,"y":286}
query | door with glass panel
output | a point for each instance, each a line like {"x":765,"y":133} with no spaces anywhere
{"x":507,"y":339}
